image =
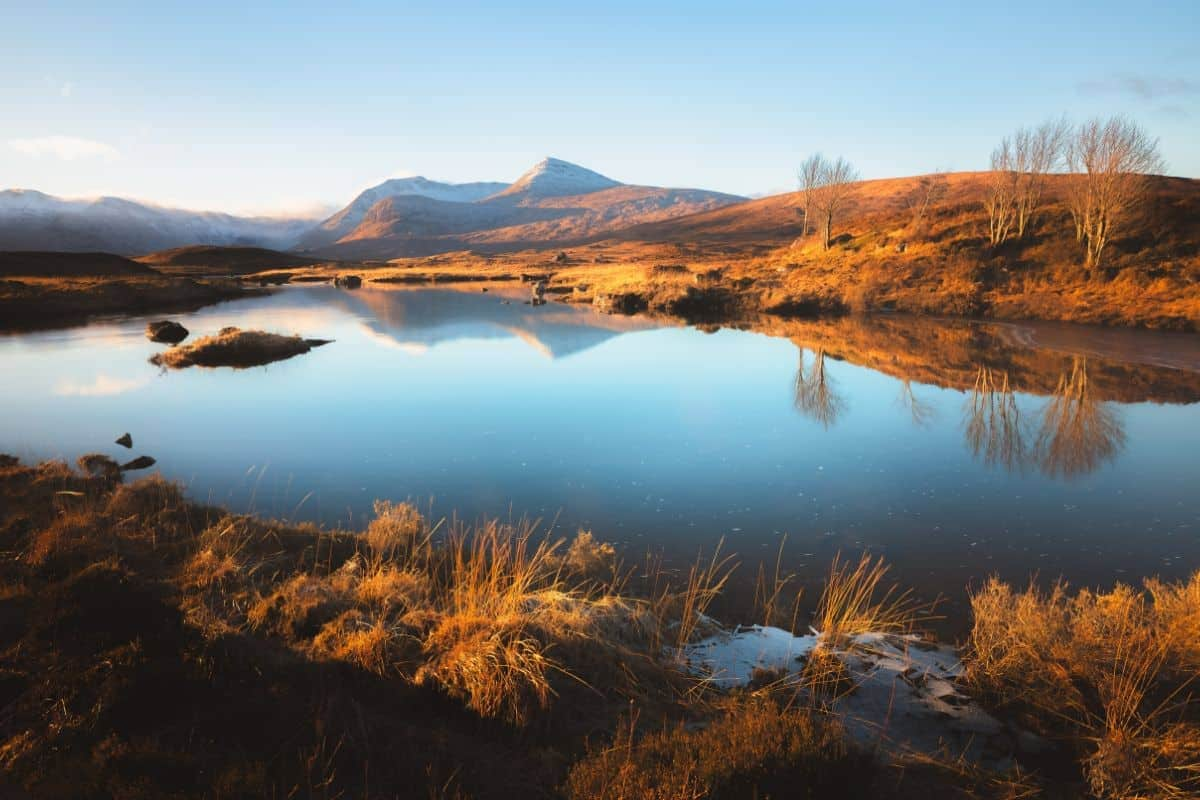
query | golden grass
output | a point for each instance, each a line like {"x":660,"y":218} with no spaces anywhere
{"x":531,"y":631}
{"x":752,"y":748}
{"x":1110,"y":672}
{"x":233,"y":347}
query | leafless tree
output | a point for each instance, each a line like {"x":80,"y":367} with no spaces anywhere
{"x":1079,"y":433}
{"x":992,"y":422}
{"x":928,"y":191}
{"x":1037,"y":152}
{"x":1109,"y":161}
{"x":834,"y":183}
{"x":1001,"y":192}
{"x":815,"y":396}
{"x":810,"y":177}
{"x":922,"y":413}
{"x":1019,"y":166}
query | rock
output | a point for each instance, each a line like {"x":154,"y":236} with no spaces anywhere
{"x":347,"y":281}
{"x":141,"y":462}
{"x":166,"y":332}
{"x":125,"y":441}
{"x":901,"y":247}
{"x":484,"y":290}
{"x":561,"y":258}
{"x":229,"y":330}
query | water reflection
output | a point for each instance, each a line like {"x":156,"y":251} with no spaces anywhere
{"x":957,"y":449}
{"x":992,"y":422}
{"x":1079,"y":433}
{"x":814,"y":391}
{"x":923,"y":414}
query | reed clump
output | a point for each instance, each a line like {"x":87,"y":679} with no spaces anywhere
{"x":751,"y":747}
{"x":1108,"y":673}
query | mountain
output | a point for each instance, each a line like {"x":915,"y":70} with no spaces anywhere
{"x":346,"y":220}
{"x":31,"y":220}
{"x":555,"y":203}
{"x":552,"y":177}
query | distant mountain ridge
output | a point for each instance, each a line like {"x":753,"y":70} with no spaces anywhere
{"x":554,"y":203}
{"x":32,"y":220}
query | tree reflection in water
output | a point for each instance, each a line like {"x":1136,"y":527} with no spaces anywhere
{"x":815,"y":395}
{"x":922,"y":413}
{"x":1079,"y":433}
{"x":992,"y":424}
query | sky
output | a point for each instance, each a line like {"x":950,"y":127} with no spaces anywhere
{"x":265,"y":108}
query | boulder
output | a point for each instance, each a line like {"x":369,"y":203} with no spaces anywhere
{"x":347,"y":281}
{"x":166,"y":332}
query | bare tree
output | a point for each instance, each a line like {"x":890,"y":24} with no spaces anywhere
{"x":815,"y":396}
{"x":1079,"y":433}
{"x":1110,"y":160}
{"x":810,"y":178}
{"x":1001,"y":192}
{"x":928,"y":191}
{"x":835,"y":181}
{"x":1037,"y":152}
{"x":1019,"y":165}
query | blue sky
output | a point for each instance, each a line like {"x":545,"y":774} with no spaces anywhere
{"x":258,"y":107}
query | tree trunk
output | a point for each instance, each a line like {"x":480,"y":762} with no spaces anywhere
{"x":828,"y":238}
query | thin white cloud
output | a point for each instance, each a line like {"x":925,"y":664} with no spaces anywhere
{"x":1144,"y":87}
{"x":66,"y":89}
{"x":66,"y":148}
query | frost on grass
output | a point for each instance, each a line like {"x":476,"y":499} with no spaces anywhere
{"x":896,"y":691}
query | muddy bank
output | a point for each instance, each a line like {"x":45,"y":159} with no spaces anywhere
{"x":28,"y":303}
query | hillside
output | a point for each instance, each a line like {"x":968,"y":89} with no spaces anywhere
{"x":31,"y":220}
{"x":345,"y":221}
{"x":226,"y":260}
{"x":42,"y":265}
{"x":883,"y":258}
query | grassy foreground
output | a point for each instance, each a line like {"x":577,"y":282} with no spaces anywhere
{"x":153,"y":647}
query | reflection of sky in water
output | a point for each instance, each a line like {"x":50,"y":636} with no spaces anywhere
{"x":654,"y":436}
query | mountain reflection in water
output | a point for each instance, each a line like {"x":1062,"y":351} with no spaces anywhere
{"x":955,"y":449}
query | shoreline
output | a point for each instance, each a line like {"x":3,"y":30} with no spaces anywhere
{"x":492,"y":640}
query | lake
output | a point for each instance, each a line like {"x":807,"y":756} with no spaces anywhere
{"x":955,"y":449}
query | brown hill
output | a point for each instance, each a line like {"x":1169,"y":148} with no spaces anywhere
{"x":74,"y":265}
{"x":884,"y":259}
{"x":883,"y":204}
{"x":226,"y":260}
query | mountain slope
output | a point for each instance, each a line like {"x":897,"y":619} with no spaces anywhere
{"x":231,"y":260}
{"x":346,"y":220}
{"x":553,"y":204}
{"x":31,"y":220}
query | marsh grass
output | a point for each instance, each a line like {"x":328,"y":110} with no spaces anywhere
{"x":1109,"y":673}
{"x":151,"y":643}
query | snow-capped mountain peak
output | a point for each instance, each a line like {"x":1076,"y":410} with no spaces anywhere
{"x":553,"y":177}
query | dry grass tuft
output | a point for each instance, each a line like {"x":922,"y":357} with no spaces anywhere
{"x":753,"y":748}
{"x":1108,"y":672}
{"x":856,"y":599}
{"x":233,"y":347}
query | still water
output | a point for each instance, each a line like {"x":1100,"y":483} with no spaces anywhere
{"x":957,"y":450}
